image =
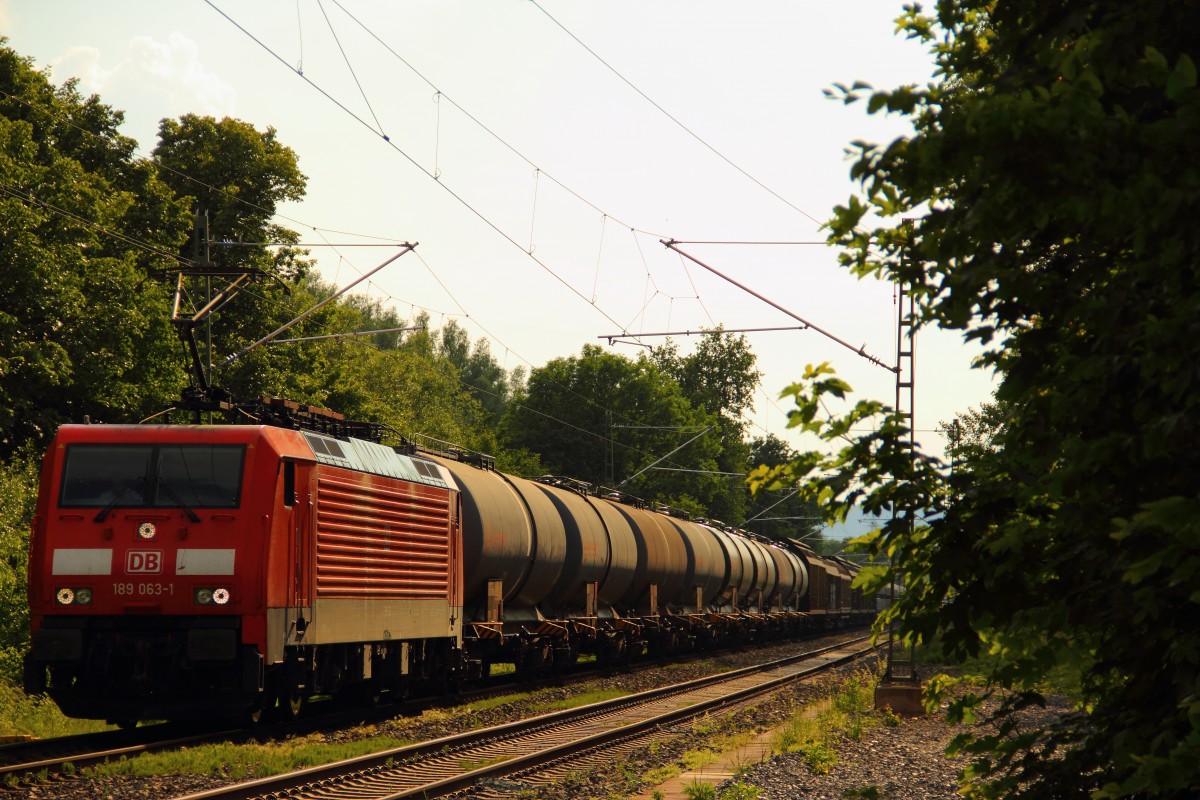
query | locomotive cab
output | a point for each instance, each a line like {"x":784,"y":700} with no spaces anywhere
{"x":140,"y":588}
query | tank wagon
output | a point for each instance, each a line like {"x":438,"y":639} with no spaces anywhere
{"x":183,"y":571}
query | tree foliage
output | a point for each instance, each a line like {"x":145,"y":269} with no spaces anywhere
{"x":603,"y":418}
{"x":719,"y":376}
{"x":235,"y":176}
{"x":783,"y":514}
{"x":1051,"y":182}
{"x":478,"y":369}
{"x":80,"y":333}
{"x":18,"y":494}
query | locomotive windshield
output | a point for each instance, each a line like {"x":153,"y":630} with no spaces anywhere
{"x":152,"y":476}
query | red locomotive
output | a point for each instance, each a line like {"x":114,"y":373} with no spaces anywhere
{"x":181,"y":571}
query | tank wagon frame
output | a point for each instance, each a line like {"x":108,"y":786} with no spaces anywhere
{"x":184,"y":571}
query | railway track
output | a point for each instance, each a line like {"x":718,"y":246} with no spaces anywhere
{"x":455,"y":763}
{"x":49,"y":757}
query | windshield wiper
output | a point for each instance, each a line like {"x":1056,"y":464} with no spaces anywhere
{"x":118,"y":498}
{"x":166,"y":487}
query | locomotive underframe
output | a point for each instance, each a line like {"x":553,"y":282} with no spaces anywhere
{"x":125,"y":668}
{"x":122,"y":669}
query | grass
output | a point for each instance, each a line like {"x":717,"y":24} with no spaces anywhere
{"x":471,"y":764}
{"x":849,"y":713}
{"x":247,"y":760}
{"x":660,"y":775}
{"x":38,"y":716}
{"x":495,"y":702}
{"x":587,"y":698}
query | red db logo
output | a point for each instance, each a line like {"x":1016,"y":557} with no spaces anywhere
{"x":144,"y":561}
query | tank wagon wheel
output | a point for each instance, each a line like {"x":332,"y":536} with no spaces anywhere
{"x":620,"y":654}
{"x":537,"y":657}
{"x":371,"y":694}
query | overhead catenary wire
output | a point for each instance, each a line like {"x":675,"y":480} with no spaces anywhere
{"x":124,"y":238}
{"x":674,"y":119}
{"x":443,"y":96}
{"x":345,"y":335}
{"x":353,"y":74}
{"x":593,"y":290}
{"x":862,"y":351}
{"x":462,"y":200}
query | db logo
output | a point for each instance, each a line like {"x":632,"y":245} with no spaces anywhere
{"x":144,"y":561}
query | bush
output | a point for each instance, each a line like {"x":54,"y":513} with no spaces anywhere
{"x":18,"y":496}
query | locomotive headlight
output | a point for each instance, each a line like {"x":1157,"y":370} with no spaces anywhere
{"x":210,"y":595}
{"x":83,"y":596}
{"x":65,"y":596}
{"x":147,"y":530}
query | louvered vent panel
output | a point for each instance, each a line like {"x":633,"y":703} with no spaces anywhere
{"x":379,"y":542}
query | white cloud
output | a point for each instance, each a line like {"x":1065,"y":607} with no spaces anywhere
{"x":82,"y":62}
{"x":174,"y":67}
{"x":152,"y":80}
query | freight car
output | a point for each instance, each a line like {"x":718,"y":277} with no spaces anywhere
{"x":181,"y":571}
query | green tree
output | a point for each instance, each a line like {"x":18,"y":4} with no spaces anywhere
{"x":1051,"y":182}
{"x":783,"y":514}
{"x":235,"y":176}
{"x":603,"y":418}
{"x":971,"y":436}
{"x":720,"y":377}
{"x":477,"y":368}
{"x":18,"y":494}
{"x":81,"y":330}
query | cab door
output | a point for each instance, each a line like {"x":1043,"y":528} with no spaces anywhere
{"x":297,"y":487}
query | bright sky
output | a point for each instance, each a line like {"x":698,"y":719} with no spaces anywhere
{"x":534,"y":144}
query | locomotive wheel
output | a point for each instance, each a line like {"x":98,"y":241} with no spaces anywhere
{"x":254,"y":715}
{"x":289,"y":703}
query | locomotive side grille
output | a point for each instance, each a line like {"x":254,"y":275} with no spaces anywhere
{"x":374,"y":541}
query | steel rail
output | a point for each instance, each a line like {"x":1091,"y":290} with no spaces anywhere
{"x":445,"y":757}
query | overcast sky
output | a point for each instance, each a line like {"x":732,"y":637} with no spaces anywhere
{"x":539,"y":177}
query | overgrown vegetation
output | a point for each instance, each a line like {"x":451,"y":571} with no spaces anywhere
{"x":699,"y":790}
{"x":244,"y":760}
{"x":23,"y":715}
{"x":1044,"y":206}
{"x":849,"y":713}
